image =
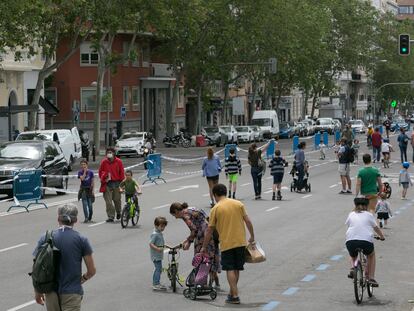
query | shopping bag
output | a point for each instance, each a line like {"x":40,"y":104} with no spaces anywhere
{"x":255,"y":253}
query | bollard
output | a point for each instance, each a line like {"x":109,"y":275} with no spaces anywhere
{"x":381,"y":129}
{"x":93,"y":153}
{"x":326,"y":138}
{"x":227,"y":150}
{"x":295,"y":143}
{"x":354,"y":132}
{"x":317,"y":140}
{"x":271,"y":149}
{"x":337,"y":136}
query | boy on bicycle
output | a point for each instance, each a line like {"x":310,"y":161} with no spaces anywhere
{"x":359,"y":235}
{"x":131,"y":187}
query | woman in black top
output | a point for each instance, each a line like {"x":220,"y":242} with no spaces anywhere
{"x":255,"y":161}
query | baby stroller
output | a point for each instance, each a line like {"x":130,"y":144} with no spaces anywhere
{"x":198,"y":281}
{"x":295,"y":185}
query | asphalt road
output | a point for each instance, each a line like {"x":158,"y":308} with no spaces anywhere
{"x":303,"y":236}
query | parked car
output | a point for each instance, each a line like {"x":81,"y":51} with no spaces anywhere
{"x":231,"y":133}
{"x":304,"y":128}
{"x":398,"y":123}
{"x":244,"y":134}
{"x":267,"y":121}
{"x":130,"y":144}
{"x":214,"y":135}
{"x":285,"y":130}
{"x":68,"y":140}
{"x":256,"y":133}
{"x":325,"y":125}
{"x":38,"y":154}
{"x":358,"y":126}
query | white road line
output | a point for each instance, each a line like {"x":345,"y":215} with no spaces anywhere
{"x":161,"y":206}
{"x":307,"y":196}
{"x":23,"y":305}
{"x":271,"y":209}
{"x":269,"y":177}
{"x":246,"y":184}
{"x":268,"y":191}
{"x":285,"y":188}
{"x":184,"y":188}
{"x":333,"y":186}
{"x":12,"y":247}
{"x":206,"y":195}
{"x":97,"y":224}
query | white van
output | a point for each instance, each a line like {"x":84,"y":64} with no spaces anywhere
{"x":268,"y":123}
{"x":68,"y":140}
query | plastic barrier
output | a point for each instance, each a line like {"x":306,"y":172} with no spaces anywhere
{"x":295,"y":143}
{"x":200,"y":141}
{"x":381,"y":129}
{"x":326,"y":138}
{"x":271,"y":148}
{"x":337,"y":136}
{"x":227,"y":149}
{"x":26,"y":187}
{"x":317,"y":140}
{"x":154,"y":168}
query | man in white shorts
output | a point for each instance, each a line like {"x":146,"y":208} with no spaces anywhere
{"x":344,"y":168}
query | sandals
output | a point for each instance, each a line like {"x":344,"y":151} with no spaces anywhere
{"x":351,"y":274}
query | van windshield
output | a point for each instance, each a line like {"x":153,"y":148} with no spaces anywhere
{"x":261,"y":122}
{"x":34,"y":136}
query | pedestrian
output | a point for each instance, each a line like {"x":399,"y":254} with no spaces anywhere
{"x":383,"y":210}
{"x":355,"y":147}
{"x":376,"y":145}
{"x":405,"y":180}
{"x":322,"y":150}
{"x":300,"y":163}
{"x":369,"y":182}
{"x":403,"y":143}
{"x":73,"y":248}
{"x":114,"y":136}
{"x":387,"y":124}
{"x":348,"y":134}
{"x":386,"y":150}
{"x":370,"y":131}
{"x":196,"y":221}
{"x":131,"y":187}
{"x":157,"y":252}
{"x":230,"y":219}
{"x":233,"y":169}
{"x":277,"y":170}
{"x":111,"y":174}
{"x":255,"y":170}
{"x":86,"y":191}
{"x":211,"y":170}
{"x":344,"y":168}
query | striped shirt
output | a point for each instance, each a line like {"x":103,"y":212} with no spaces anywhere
{"x":232,"y":165}
{"x":277,"y":166}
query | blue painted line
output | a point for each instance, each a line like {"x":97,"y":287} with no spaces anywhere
{"x":336,"y":257}
{"x":309,"y":278}
{"x":290,"y":291}
{"x":270,"y":306}
{"x":322,"y":267}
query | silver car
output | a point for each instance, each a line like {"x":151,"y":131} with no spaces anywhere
{"x":244,"y":134}
{"x":256,"y":132}
{"x":231,"y":133}
{"x":214,"y":135}
{"x":130,"y":144}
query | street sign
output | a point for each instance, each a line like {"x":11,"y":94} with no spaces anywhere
{"x":273,"y":65}
{"x":123,"y":112}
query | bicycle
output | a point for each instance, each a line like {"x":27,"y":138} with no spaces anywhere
{"x":360,"y":276}
{"x":172,"y":269}
{"x":131,"y":211}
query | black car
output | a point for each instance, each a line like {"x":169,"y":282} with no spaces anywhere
{"x":44,"y":155}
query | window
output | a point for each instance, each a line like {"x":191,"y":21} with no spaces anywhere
{"x":51,"y":95}
{"x":88,"y":55}
{"x":88,"y":100}
{"x":405,"y":9}
{"x":180,"y":97}
{"x":146,"y":55}
{"x":361,"y":97}
{"x":125,"y":96}
{"x":135,"y":99}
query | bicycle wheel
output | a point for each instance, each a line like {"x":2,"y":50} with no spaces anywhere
{"x":173,"y":275}
{"x":125,"y":217}
{"x":370,"y":290}
{"x":135,"y":218}
{"x":358,"y":283}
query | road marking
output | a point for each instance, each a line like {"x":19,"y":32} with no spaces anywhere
{"x":246,"y":184}
{"x":317,"y":165}
{"x":269,"y":177}
{"x":268,"y":191}
{"x":336,"y":257}
{"x":23,"y":305}
{"x":309,"y":278}
{"x":285,"y":188}
{"x":97,"y":224}
{"x":270,"y":306}
{"x":322,"y":267}
{"x":206,"y":194}
{"x":12,"y":247}
{"x":271,"y":209}
{"x":403,"y":208}
{"x":290,"y":291}
{"x":333,"y":186}
{"x":397,"y":212}
{"x":184,"y":188}
{"x":161,"y":206}
{"x":307,"y":196}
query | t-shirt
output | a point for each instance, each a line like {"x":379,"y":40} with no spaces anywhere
{"x":299,"y":157}
{"x":385,"y":147}
{"x":87,"y":182}
{"x":227,"y":216}
{"x":129,"y":186}
{"x":157,"y":239}
{"x":383,"y":207}
{"x":369,"y":176}
{"x":73,"y":247}
{"x":376,"y":139}
{"x":360,"y":226}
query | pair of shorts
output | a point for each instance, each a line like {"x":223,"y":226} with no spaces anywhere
{"x":213,"y":178}
{"x":344,"y":169}
{"x":353,"y":245}
{"x":277,"y":179}
{"x":384,"y":216}
{"x":233,"y":259}
{"x":405,"y":185}
{"x":233,"y":177}
{"x":385,"y":153}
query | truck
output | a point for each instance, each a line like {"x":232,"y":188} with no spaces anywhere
{"x":268,"y":123}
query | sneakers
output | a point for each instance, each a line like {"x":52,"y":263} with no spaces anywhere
{"x":229,"y":196}
{"x":342,"y":192}
{"x":380,"y":224}
{"x":159,"y":287}
{"x":349,"y":191}
{"x":273,"y":197}
{"x":233,"y":300}
{"x":118,"y":216}
{"x":234,"y":195}
{"x":110,"y":220}
{"x":373,"y":283}
{"x":351,"y":274}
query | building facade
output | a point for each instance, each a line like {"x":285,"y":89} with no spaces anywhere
{"x":405,"y":9}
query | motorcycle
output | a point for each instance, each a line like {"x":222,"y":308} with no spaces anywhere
{"x":177,"y":140}
{"x":145,"y":152}
{"x":85,"y":145}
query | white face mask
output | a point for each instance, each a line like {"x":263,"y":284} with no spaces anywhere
{"x":110,"y":155}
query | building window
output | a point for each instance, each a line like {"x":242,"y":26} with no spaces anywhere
{"x":88,"y":100}
{"x":361,"y":97}
{"x":51,"y":95}
{"x":180,"y":97}
{"x":88,"y":55}
{"x":125,"y":96}
{"x":146,"y":55}
{"x":405,"y":9}
{"x":135,"y":99}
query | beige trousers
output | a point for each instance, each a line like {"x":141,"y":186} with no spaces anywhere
{"x":68,"y":302}
{"x":112,"y":198}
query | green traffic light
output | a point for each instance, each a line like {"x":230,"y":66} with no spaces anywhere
{"x":404,"y":50}
{"x":394,"y":104}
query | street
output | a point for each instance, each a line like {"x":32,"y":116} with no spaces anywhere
{"x":303,"y":237}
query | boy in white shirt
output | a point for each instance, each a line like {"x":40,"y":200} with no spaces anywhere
{"x":322,"y":150}
{"x":386,"y":148}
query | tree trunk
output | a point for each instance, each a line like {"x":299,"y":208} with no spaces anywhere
{"x":314,"y":100}
{"x":98,"y":106}
{"x":224,"y":117}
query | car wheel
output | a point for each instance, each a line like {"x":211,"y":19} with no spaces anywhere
{"x":63,"y":185}
{"x":70,"y":164}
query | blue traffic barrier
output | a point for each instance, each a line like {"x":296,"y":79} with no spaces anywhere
{"x":295,"y":143}
{"x":227,"y":149}
{"x":154,"y":168}
{"x":271,"y":148}
{"x":337,"y":136}
{"x":27,"y":187}
{"x":317,"y":140}
{"x":354,"y":131}
{"x":381,"y":129}
{"x":326,"y":138}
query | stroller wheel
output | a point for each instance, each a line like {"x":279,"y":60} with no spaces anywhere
{"x":291,"y":188}
{"x":213,"y":294}
{"x":186,"y":293}
{"x":192,"y":295}
{"x":309,"y":188}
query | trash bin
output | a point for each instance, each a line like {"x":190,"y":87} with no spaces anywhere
{"x":200,"y":141}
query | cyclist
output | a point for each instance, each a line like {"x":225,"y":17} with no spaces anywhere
{"x":386,"y":148}
{"x":131,"y":187}
{"x":359,"y":235}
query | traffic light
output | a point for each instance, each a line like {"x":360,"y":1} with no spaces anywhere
{"x":394,"y":103}
{"x":404,"y":46}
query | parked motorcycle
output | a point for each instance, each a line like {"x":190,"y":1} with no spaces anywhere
{"x":177,"y":140}
{"x":85,"y":145}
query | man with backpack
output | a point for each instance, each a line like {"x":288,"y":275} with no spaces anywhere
{"x":346,"y":157}
{"x":57,"y":270}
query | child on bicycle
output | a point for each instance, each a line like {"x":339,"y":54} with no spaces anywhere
{"x":405,"y":180}
{"x":383,"y":210}
{"x":359,"y":235}
{"x":233,"y":168}
{"x":131,"y":187}
{"x":386,"y":148}
{"x":157,"y":251}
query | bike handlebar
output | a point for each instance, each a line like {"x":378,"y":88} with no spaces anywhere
{"x":174,"y":247}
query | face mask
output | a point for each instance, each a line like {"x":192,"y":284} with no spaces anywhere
{"x":110,"y":155}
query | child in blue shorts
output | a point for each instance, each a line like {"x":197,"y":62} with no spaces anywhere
{"x":277,"y":169}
